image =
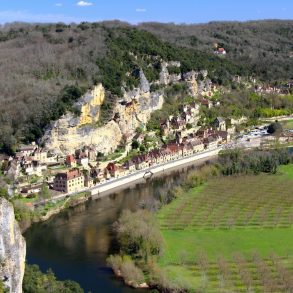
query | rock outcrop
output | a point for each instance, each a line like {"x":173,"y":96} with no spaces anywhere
{"x":144,"y":83}
{"x":165,"y":77}
{"x":136,"y":109}
{"x":133,"y":110}
{"x":89,"y":105}
{"x":12,"y":249}
{"x":66,"y":135}
{"x":191,"y":80}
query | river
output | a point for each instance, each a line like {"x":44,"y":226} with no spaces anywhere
{"x":76,"y":243}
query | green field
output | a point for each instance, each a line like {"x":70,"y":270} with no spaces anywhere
{"x":287,"y":124}
{"x":287,"y":171}
{"x":234,"y":234}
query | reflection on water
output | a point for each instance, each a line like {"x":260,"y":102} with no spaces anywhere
{"x":76,"y":243}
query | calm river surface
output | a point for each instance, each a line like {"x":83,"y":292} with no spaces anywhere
{"x":76,"y":243}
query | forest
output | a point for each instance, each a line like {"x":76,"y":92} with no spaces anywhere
{"x":45,"y":68}
{"x":266,"y":46}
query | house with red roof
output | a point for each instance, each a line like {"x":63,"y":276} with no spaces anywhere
{"x":70,"y":161}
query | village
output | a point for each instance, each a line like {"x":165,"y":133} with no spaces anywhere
{"x":36,"y":171}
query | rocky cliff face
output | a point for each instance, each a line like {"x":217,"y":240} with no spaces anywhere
{"x":89,"y":105}
{"x":165,"y":77}
{"x":12,"y":249}
{"x":70,"y":133}
{"x":191,"y":81}
{"x":133,"y":110}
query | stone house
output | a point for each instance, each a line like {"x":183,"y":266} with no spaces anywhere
{"x":224,"y":135}
{"x":165,"y":127}
{"x":175,"y":151}
{"x":141,"y":162}
{"x":121,"y":171}
{"x":40,"y":154}
{"x":197,"y":145}
{"x":70,"y":161}
{"x":187,"y":149}
{"x":130,"y":165}
{"x":88,"y":181}
{"x":97,"y":173}
{"x":70,"y":181}
{"x":13,"y":169}
{"x":27,"y":150}
{"x":210,"y":142}
{"x":83,"y":160}
{"x":220,"y":124}
{"x":220,"y":51}
{"x":32,"y":167}
{"x":112,"y":169}
{"x":30,"y":189}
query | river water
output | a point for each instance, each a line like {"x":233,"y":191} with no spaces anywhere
{"x":76,"y":243}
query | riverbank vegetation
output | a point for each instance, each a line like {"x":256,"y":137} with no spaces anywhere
{"x":29,"y":210}
{"x":227,"y":228}
{"x":35,"y":281}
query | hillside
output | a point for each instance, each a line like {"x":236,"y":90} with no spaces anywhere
{"x":46,"y":68}
{"x":264,"y":45}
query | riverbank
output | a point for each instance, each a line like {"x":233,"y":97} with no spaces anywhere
{"x":30,"y":215}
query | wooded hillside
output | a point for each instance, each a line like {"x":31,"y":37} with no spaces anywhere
{"x":45,"y":68}
{"x":264,"y":45}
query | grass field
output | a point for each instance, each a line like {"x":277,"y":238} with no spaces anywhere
{"x":234,"y":234}
{"x":288,"y":124}
{"x":287,"y":171}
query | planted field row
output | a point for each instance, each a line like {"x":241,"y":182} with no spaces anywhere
{"x":253,"y":274}
{"x":247,"y":201}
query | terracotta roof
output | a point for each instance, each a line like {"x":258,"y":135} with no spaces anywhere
{"x":111,"y":167}
{"x":70,"y":159}
{"x":71,"y":174}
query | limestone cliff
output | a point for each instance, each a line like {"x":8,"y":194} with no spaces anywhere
{"x":89,"y":105}
{"x":67,"y":135}
{"x":191,"y":81}
{"x":165,"y":77}
{"x":133,"y":110}
{"x":12,"y":249}
{"x":70,"y":132}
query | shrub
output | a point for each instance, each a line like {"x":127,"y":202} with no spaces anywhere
{"x":37,"y":282}
{"x":138,"y":234}
{"x":131,"y":273}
